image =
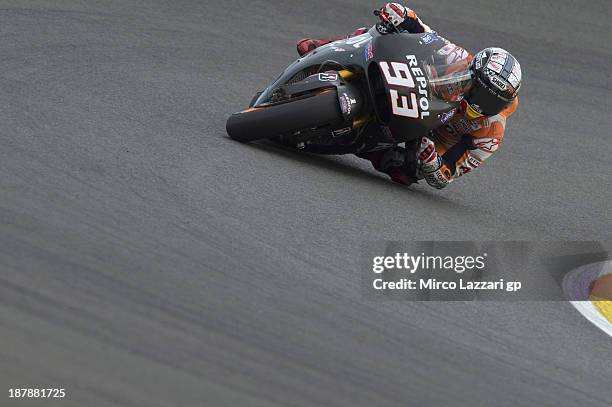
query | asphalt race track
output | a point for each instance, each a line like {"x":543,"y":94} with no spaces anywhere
{"x":148,"y":260}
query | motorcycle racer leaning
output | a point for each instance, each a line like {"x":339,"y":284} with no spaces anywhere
{"x":475,"y":130}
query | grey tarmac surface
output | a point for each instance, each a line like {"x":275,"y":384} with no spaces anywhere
{"x":148,"y":260}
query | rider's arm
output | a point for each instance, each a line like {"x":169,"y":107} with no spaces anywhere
{"x":441,"y":167}
{"x":477,"y":147}
{"x":469,"y":153}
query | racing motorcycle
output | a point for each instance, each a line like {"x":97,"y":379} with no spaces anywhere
{"x":357,"y":95}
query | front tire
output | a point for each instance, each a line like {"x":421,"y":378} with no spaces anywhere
{"x":264,"y":122}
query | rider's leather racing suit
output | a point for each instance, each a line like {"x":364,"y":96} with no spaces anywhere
{"x":461,"y":144}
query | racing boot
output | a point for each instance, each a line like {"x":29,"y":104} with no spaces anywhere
{"x":305,"y":45}
{"x":395,"y":162}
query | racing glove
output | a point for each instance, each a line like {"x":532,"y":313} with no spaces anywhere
{"x":431,"y":166}
{"x":403,"y":18}
{"x":395,"y":13}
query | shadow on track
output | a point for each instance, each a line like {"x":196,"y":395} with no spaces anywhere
{"x":419,"y":191}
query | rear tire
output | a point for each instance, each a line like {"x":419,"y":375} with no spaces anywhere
{"x":270,"y":121}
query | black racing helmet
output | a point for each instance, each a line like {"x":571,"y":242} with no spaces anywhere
{"x":496,"y":81}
